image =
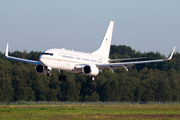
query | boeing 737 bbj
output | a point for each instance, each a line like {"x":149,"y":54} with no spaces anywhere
{"x":88,"y":64}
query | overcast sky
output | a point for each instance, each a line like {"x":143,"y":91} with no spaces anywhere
{"x":144,"y":25}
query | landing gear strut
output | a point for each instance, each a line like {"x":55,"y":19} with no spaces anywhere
{"x":90,"y":78}
{"x":62,"y":77}
{"x":49,"y":73}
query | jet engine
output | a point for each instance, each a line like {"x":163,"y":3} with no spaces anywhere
{"x":90,"y":70}
{"x":41,"y":69}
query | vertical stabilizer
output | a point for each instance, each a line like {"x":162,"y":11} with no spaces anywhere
{"x":105,"y":46}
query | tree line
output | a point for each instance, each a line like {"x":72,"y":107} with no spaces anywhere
{"x":143,"y":82}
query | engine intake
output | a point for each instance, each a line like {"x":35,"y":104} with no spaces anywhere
{"x":87,"y":69}
{"x":40,"y":69}
{"x":90,"y":70}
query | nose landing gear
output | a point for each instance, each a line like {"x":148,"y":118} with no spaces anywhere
{"x":49,"y":73}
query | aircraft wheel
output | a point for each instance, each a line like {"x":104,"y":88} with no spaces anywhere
{"x":48,"y":73}
{"x":92,"y":79}
{"x":65,"y":78}
{"x":60,"y":78}
{"x":87,"y":79}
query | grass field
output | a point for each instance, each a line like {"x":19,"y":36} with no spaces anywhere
{"x":79,"y":112}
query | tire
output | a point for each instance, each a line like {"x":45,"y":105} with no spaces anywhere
{"x":65,"y":78}
{"x":92,"y":79}
{"x":87,"y":79}
{"x":60,"y":78}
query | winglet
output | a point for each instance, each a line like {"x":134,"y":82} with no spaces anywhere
{"x":171,"y":54}
{"x":6,"y":54}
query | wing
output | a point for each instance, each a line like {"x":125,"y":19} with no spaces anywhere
{"x":112,"y":66}
{"x":19,"y":59}
{"x":124,"y":59}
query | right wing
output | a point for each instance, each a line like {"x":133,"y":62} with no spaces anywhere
{"x":19,"y":59}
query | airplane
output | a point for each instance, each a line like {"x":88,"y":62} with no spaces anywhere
{"x":89,"y":64}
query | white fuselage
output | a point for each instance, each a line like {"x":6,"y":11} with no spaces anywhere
{"x":66,"y":60}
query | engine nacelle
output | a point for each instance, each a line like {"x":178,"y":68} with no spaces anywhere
{"x":41,"y":69}
{"x":90,"y":70}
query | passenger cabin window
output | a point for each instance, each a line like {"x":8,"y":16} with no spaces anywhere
{"x":99,"y":61}
{"x":77,"y":58}
{"x":84,"y":59}
{"x":94,"y":61}
{"x":68,"y":56}
{"x":51,"y":54}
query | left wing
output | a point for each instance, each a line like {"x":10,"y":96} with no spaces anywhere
{"x":19,"y":59}
{"x":124,"y":59}
{"x":124,"y":65}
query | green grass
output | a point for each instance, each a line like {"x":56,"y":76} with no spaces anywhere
{"x":39,"y":112}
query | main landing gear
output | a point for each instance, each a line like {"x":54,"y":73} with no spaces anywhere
{"x":90,"y":78}
{"x":62,"y":77}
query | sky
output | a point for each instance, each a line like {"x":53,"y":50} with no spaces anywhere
{"x":38,"y":25}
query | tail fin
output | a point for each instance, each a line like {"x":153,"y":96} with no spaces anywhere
{"x":105,"y":46}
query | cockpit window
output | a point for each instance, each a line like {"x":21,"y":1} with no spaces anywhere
{"x":51,"y":54}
